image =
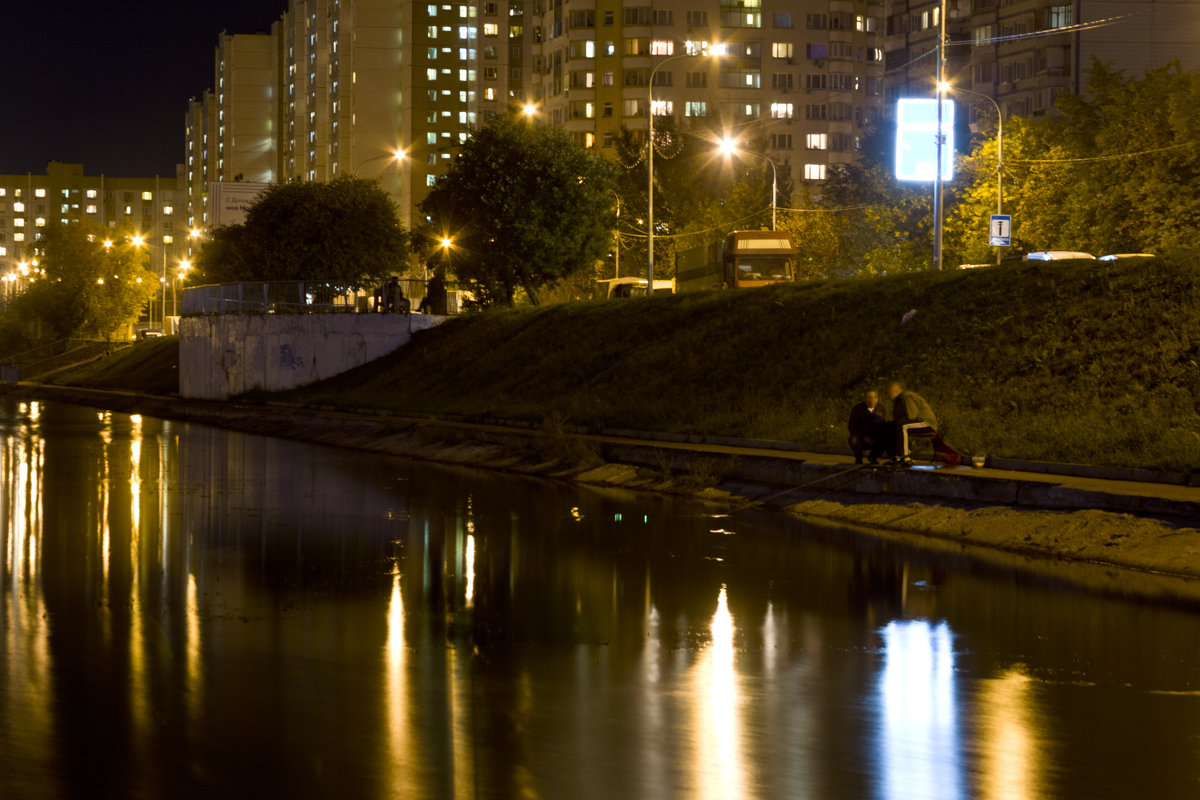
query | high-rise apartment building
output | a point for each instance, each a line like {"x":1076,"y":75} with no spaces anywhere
{"x":231,"y":131}
{"x":357,"y":80}
{"x":149,"y":206}
{"x":804,"y":77}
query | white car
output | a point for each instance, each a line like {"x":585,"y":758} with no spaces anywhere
{"x":1123,"y":256}
{"x":1057,"y":255}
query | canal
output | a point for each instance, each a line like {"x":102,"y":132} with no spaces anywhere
{"x":191,"y":612}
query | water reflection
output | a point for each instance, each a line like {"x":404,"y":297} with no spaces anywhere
{"x":192,"y":613}
{"x":920,"y":752}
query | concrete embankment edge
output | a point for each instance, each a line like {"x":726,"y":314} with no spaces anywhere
{"x":1128,"y":531}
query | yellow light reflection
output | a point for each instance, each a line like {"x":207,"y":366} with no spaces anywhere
{"x":719,"y":769}
{"x":399,"y":717}
{"x":1009,"y":751}
{"x":194,"y":673}
{"x":919,"y":747}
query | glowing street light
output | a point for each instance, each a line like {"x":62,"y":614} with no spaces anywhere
{"x":729,"y":148}
{"x":529,"y":110}
{"x":946,"y":88}
{"x":396,"y":155}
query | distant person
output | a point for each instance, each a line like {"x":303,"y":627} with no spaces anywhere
{"x":436,"y":293}
{"x":393,"y":297}
{"x":910,"y":415}
{"x":867,"y":428}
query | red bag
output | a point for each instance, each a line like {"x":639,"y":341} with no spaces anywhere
{"x":944,"y":451}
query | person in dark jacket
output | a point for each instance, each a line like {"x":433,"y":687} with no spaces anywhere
{"x":867,"y":427}
{"x":910,"y":415}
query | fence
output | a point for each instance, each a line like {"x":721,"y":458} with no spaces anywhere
{"x":299,"y":297}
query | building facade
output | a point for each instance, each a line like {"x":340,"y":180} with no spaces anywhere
{"x":805,"y":78}
{"x":150,"y":207}
{"x":1024,"y":53}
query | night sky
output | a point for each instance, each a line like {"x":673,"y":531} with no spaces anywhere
{"x":107,"y":84}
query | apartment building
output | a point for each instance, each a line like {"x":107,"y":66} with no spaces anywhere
{"x":230,"y":130}
{"x":150,"y":206}
{"x":805,"y":77}
{"x":1024,"y":53}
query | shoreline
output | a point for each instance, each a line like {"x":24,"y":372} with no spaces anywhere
{"x":1148,"y":554}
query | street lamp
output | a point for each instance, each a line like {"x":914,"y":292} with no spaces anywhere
{"x":729,"y":148}
{"x":716,"y":51}
{"x":999,"y":149}
{"x":397,"y":155}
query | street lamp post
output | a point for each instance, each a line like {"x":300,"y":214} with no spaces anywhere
{"x":999,"y":151}
{"x":397,"y":155}
{"x":729,"y":147}
{"x":940,"y":139}
{"x":650,"y":166}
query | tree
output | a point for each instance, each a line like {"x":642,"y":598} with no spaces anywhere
{"x":345,"y":231}
{"x":699,"y":195}
{"x":1117,"y":170}
{"x":90,"y":281}
{"x":523,"y":205}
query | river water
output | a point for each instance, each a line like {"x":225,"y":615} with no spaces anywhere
{"x":191,"y":612}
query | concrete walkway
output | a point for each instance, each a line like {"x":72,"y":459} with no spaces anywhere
{"x":784,"y":471}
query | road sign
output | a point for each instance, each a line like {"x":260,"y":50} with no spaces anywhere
{"x":1000,"y":233}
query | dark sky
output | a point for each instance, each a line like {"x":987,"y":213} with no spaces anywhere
{"x":107,"y":84}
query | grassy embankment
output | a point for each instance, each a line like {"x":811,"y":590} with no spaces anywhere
{"x":1080,"y":362}
{"x":151,"y":366}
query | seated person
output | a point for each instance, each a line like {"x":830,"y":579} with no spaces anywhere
{"x":911,"y":415}
{"x":867,"y":427}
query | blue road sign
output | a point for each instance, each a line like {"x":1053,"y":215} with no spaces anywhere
{"x":1000,"y":232}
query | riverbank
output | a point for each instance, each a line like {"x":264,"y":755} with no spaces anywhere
{"x":1054,"y":518}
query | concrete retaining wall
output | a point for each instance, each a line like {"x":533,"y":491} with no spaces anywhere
{"x":222,"y":355}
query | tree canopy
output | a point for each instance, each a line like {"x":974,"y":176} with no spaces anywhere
{"x":90,"y":281}
{"x":345,"y":231}
{"x":522,"y":205}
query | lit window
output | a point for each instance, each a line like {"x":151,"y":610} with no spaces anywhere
{"x":662,"y":108}
{"x":39,"y":192}
{"x":168,"y":239}
{"x":18,"y":237}
{"x":91,"y":209}
{"x":781,"y":49}
{"x":661,"y":48}
{"x":781,"y":110}
{"x":3,"y":192}
{"x":431,"y":74}
{"x":431,"y":180}
{"x":695,"y":108}
{"x":18,"y":206}
{"x":3,"y":250}
{"x":40,"y":222}
{"x":91,"y":193}
{"x":168,"y":210}
{"x":815,"y":141}
{"x":18,"y":223}
{"x":147,"y":196}
{"x":491,"y":29}
{"x":814,"y":172}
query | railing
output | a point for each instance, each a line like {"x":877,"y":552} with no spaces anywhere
{"x":302,"y":297}
{"x":52,"y":356}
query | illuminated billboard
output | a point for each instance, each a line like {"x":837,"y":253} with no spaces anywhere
{"x":916,"y":139}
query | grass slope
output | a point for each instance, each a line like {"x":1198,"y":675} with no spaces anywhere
{"x":150,"y":366}
{"x":1065,"y":361}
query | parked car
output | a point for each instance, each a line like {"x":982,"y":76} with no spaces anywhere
{"x":1057,"y":255}
{"x":1123,"y":256}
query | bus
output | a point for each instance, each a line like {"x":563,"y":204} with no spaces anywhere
{"x":743,"y":259}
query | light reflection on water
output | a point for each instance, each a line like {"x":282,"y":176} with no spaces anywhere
{"x":193,"y":613}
